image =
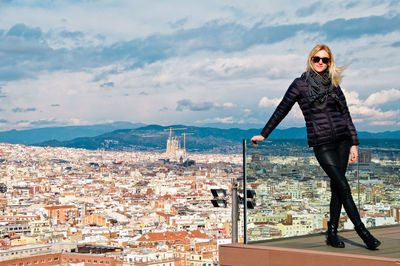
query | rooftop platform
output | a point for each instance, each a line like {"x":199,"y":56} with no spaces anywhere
{"x":312,"y":250}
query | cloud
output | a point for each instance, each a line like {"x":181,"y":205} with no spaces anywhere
{"x":367,"y":109}
{"x":25,"y":32}
{"x":44,"y":122}
{"x":27,"y":50}
{"x":23,"y":110}
{"x":10,"y":73}
{"x":383,"y":123}
{"x":349,"y":5}
{"x":355,"y":28}
{"x":308,"y":10}
{"x":107,"y":84}
{"x":24,"y":41}
{"x":352,"y":97}
{"x":178,"y":23}
{"x":373,"y":113}
{"x":367,"y":113}
{"x":247,"y":112}
{"x":2,"y":95}
{"x":382,"y":97}
{"x":187,"y":104}
{"x":75,"y":35}
{"x":228,"y":105}
{"x":266,"y":102}
{"x":229,"y":120}
{"x":223,"y":120}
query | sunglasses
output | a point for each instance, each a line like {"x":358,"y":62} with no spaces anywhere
{"x":316,"y":59}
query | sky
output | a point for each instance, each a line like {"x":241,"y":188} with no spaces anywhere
{"x":224,"y":63}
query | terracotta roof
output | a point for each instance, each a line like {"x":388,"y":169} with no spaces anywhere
{"x":164,"y":214}
{"x":172,"y":236}
{"x":198,"y":234}
{"x":60,"y":207}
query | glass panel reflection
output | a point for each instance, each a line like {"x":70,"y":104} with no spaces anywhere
{"x":293,"y":193}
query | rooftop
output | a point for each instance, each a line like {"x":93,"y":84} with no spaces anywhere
{"x":389,"y":236}
{"x":312,"y":250}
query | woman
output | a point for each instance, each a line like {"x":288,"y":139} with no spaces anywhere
{"x":330,"y":132}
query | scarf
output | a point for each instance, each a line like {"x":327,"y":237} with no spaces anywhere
{"x":320,"y":87}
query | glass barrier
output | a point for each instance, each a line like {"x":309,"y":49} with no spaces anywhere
{"x":292,"y":193}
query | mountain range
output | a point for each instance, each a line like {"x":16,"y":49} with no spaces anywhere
{"x":129,"y":136}
{"x":31,"y":136}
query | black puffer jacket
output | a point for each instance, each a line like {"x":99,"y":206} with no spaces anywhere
{"x":327,"y":125}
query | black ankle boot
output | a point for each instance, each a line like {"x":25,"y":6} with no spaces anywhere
{"x":369,"y":240}
{"x":332,"y":238}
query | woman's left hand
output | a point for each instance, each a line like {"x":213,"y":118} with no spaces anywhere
{"x":254,"y":140}
{"x":353,"y":154}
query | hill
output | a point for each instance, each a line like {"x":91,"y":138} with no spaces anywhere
{"x":65,"y":133}
{"x":201,"y":139}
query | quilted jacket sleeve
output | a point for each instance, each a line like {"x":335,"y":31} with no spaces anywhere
{"x":289,"y":99}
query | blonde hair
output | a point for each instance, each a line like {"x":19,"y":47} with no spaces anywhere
{"x":335,"y":72}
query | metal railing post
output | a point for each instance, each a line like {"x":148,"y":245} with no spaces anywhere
{"x":235,"y":211}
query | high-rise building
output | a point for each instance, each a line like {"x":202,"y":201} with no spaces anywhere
{"x":364,"y":157}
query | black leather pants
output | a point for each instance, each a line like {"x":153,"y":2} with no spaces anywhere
{"x":333,"y":159}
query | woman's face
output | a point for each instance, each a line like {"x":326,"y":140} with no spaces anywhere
{"x":320,"y":61}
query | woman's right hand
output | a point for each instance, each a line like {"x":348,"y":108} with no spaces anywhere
{"x":254,"y":140}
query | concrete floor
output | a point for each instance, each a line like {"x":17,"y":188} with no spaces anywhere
{"x":389,"y":236}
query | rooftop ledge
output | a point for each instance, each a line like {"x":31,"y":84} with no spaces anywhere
{"x":311,"y":250}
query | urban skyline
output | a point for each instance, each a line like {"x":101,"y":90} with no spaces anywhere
{"x":152,"y":207}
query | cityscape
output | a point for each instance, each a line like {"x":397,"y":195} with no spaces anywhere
{"x":125,"y":132}
{"x":134,"y":208}
{"x":64,"y":205}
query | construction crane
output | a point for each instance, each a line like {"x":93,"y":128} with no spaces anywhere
{"x":174,"y":128}
{"x":184,"y":140}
